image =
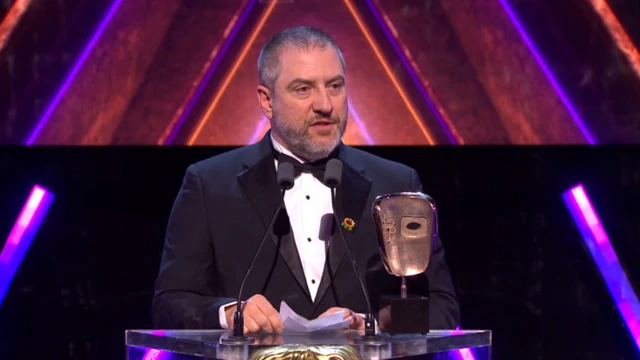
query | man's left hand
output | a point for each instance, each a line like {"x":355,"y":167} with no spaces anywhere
{"x":357,"y":321}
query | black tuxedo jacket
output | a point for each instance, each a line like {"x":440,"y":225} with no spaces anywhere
{"x":221,"y":213}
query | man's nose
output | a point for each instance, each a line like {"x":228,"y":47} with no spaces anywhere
{"x":322,"y":102}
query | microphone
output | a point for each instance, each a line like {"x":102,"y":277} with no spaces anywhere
{"x":333,"y":178}
{"x":286,"y":176}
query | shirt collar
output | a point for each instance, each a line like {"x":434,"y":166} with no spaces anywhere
{"x":281,"y":149}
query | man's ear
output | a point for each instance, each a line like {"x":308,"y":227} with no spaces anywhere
{"x":265,"y":101}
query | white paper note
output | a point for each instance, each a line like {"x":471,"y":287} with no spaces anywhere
{"x":293,"y":322}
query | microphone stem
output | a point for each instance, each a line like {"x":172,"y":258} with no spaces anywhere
{"x":369,"y":319}
{"x":403,"y":288}
{"x":238,"y":318}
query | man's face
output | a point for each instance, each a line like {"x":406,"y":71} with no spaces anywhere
{"x":308,"y":107}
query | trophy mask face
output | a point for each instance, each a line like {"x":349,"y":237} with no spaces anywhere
{"x":407,"y":226}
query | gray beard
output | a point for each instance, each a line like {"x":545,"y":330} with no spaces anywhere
{"x":302,"y":143}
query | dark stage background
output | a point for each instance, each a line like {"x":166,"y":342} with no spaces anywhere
{"x":517,"y":259}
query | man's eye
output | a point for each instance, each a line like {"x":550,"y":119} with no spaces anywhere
{"x":336,"y":86}
{"x":302,"y":89}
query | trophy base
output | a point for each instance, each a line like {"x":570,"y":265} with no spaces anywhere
{"x":408,"y":315}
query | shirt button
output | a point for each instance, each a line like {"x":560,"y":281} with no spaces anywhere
{"x":313,"y":281}
{"x":309,"y":239}
{"x":308,"y":197}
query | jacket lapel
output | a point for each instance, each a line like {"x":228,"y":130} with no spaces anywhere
{"x":259,"y":183}
{"x":351,"y":197}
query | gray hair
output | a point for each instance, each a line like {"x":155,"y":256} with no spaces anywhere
{"x":299,"y":37}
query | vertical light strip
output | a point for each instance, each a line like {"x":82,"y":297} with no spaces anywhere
{"x":554,"y":83}
{"x":619,"y":35}
{"x":389,"y":72}
{"x":215,"y":58}
{"x":418,"y":78}
{"x":23,"y":232}
{"x":74,"y":72}
{"x":236,"y":65}
{"x":259,"y":130}
{"x":360,"y":124}
{"x":12,"y":19}
{"x":605,"y":258}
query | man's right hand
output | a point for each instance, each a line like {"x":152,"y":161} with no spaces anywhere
{"x":258,"y":315}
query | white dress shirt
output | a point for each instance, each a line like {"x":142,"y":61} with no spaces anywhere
{"x":310,"y":212}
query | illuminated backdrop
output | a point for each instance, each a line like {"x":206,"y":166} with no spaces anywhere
{"x":418,"y":72}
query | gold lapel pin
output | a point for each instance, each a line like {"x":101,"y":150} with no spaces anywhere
{"x":348,"y":223}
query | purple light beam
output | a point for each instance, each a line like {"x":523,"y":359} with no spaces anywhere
{"x":409,"y":68}
{"x":554,"y":83}
{"x":605,"y":258}
{"x":72,"y":75}
{"x":212,"y":69}
{"x":360,"y":124}
{"x":23,"y":232}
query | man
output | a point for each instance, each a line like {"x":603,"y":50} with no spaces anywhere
{"x":226,"y":203}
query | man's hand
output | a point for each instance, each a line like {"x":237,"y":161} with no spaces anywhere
{"x":357,"y":321}
{"x":258,"y":314}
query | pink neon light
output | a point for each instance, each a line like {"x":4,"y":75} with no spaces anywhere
{"x":605,"y":258}
{"x":27,"y":215}
{"x":152,"y":354}
{"x":22,"y":234}
{"x":466,"y":354}
{"x":24,"y":220}
{"x":592,"y":221}
{"x":585,"y":206}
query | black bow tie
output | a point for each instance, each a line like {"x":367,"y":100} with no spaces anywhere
{"x":316,"y":168}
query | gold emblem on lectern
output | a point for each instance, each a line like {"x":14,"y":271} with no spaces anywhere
{"x":302,"y":352}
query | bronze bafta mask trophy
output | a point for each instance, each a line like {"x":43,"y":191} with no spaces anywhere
{"x":407,"y":227}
